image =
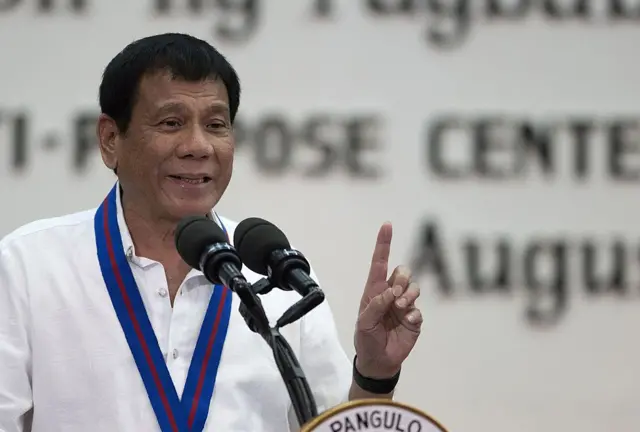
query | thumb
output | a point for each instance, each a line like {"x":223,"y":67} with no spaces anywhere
{"x":376,"y":310}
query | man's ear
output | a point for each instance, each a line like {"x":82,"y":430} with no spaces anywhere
{"x":107,"y":131}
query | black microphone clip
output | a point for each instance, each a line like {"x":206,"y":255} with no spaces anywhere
{"x":290,"y":268}
{"x":291,"y":263}
{"x":222,"y":261}
{"x":300,"y":308}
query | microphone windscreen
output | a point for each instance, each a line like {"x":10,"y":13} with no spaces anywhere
{"x":194,"y":235}
{"x":255,"y":239}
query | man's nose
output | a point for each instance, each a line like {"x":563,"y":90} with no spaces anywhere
{"x":196,"y":144}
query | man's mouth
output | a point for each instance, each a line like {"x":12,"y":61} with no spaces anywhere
{"x":191,"y":179}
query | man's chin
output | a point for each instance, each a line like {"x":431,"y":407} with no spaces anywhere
{"x":178,"y":211}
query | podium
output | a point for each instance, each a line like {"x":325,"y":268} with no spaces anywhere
{"x":373,"y":415}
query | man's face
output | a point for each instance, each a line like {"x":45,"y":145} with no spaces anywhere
{"x":177,"y":155}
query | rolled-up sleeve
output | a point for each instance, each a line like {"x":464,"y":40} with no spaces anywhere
{"x":15,"y":350}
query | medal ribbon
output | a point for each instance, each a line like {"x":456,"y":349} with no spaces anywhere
{"x":174,"y":414}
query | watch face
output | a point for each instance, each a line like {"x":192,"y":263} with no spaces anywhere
{"x":373,"y":415}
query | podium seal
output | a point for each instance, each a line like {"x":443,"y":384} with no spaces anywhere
{"x":373,"y":415}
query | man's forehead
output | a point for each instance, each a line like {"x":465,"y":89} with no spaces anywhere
{"x":163,"y":84}
{"x":212,"y":106}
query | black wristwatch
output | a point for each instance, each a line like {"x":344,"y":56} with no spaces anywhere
{"x":373,"y":385}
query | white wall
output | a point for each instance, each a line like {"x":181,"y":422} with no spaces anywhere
{"x":483,"y":363}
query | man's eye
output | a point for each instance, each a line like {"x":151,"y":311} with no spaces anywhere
{"x":171,"y":123}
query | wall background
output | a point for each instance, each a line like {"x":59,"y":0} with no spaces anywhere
{"x":502,"y":139}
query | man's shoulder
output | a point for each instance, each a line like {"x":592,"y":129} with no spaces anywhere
{"x":40,"y":232}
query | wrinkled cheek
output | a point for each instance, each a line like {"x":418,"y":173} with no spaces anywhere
{"x":226,"y":170}
{"x":225,"y":159}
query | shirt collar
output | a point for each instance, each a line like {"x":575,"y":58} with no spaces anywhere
{"x":127,"y":241}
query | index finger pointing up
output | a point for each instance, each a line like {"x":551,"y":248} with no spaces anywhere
{"x":381,"y":252}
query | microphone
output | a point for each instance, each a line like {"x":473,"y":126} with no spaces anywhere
{"x":265,"y":250}
{"x":203,"y":245}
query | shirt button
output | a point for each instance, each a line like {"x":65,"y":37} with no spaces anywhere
{"x":162,"y":292}
{"x":175,"y":354}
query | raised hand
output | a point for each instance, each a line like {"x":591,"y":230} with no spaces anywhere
{"x":388,"y":323}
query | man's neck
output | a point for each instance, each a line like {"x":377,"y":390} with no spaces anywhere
{"x":152,"y":236}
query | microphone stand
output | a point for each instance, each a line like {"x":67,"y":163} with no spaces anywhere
{"x":221,"y":259}
{"x":292,"y":374}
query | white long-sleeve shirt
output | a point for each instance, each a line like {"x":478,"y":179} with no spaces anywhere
{"x":65,"y":364}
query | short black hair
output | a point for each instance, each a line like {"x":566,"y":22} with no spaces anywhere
{"x":183,"y":56}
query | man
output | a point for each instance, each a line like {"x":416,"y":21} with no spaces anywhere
{"x":100,"y":319}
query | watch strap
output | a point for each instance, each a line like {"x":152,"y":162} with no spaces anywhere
{"x":374,"y":385}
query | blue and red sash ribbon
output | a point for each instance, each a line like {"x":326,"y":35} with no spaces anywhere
{"x":188,"y":414}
